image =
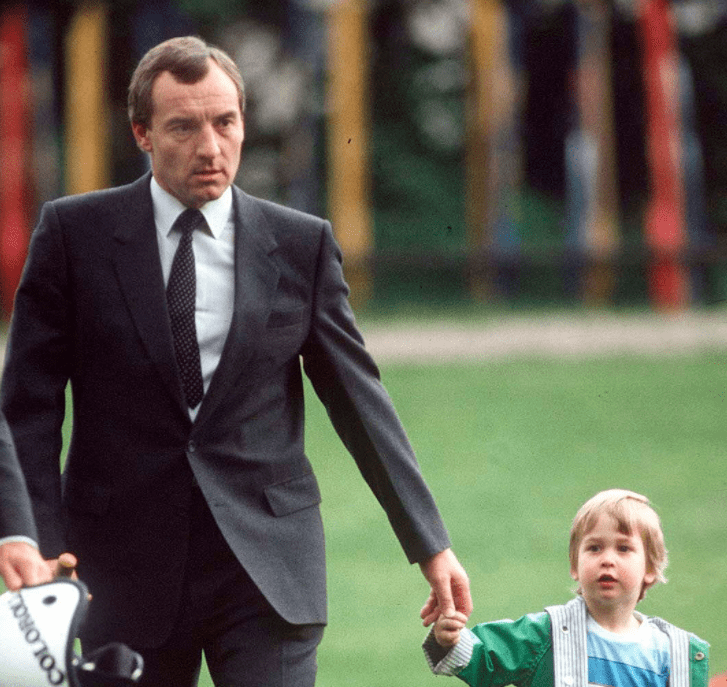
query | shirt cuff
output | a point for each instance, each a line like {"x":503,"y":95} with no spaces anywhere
{"x":19,"y":538}
{"x":452,"y":661}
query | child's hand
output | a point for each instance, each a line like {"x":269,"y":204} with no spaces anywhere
{"x":446,"y":630}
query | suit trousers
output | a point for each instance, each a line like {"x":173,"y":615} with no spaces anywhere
{"x":224,"y":617}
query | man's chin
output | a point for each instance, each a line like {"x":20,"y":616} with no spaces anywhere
{"x":206,"y":193}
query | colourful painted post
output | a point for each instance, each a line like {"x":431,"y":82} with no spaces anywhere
{"x":492,"y":161}
{"x":348,"y":141}
{"x":14,"y":144}
{"x":665,"y":230}
{"x":87,"y":141}
{"x":592,"y":164}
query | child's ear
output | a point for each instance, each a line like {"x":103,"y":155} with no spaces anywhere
{"x":649,"y":578}
{"x":574,"y":574}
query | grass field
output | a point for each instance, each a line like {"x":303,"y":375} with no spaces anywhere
{"x":511,"y":449}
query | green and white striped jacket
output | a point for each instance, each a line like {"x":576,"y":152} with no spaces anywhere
{"x":550,"y":650}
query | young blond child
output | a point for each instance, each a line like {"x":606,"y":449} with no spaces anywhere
{"x":617,"y":552}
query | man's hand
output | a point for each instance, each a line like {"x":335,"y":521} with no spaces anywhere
{"x":450,"y":587}
{"x":21,"y":565}
{"x":447,"y":629}
{"x":64,"y":566}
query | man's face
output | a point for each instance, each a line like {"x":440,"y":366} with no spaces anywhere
{"x":195,"y":136}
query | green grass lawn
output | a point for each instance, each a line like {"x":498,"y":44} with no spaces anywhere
{"x":511,"y":449}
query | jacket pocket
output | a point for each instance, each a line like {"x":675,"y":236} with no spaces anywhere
{"x":293,"y":495}
{"x":285,"y":318}
{"x":83,"y":496}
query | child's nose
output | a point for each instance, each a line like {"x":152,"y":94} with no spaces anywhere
{"x":607,"y":557}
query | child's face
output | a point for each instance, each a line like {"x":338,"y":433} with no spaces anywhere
{"x":611,"y":567}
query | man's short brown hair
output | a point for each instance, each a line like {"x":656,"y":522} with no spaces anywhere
{"x":187,"y":59}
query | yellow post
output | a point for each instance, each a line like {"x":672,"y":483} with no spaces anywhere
{"x":87,"y":135}
{"x":595,"y":106}
{"x":490,"y":104}
{"x":348,"y":141}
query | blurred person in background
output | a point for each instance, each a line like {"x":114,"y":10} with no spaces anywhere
{"x":179,"y":308}
{"x":21,"y":564}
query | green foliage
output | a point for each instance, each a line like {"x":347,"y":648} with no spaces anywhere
{"x":221,"y":11}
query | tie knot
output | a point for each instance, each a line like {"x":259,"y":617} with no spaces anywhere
{"x":190,"y":220}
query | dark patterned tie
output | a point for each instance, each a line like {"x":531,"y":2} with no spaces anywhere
{"x":181,"y":290}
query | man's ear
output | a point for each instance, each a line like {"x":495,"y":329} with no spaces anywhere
{"x":141,"y":134}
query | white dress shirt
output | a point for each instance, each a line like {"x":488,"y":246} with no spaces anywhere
{"x":214,"y":259}
{"x":18,"y":538}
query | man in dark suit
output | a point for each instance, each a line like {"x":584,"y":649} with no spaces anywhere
{"x":187,"y":495}
{"x":20,"y":561}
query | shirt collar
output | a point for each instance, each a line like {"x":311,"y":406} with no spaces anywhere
{"x":167,"y":208}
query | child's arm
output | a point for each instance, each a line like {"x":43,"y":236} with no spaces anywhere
{"x":493,"y":654}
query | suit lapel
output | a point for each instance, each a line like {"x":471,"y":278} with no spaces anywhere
{"x":138,"y":269}
{"x":256,"y":279}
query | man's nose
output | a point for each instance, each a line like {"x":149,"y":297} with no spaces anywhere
{"x":207,"y":143}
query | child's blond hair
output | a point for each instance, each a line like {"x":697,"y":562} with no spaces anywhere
{"x":634,"y":514}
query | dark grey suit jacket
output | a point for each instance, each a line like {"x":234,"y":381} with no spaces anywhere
{"x":91,"y":308}
{"x":16,"y":515}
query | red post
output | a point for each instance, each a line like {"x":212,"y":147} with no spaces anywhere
{"x":665,"y":224}
{"x":14,"y":217}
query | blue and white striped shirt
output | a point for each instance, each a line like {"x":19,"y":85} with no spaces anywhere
{"x":638,"y":660}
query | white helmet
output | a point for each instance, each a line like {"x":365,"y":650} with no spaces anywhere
{"x":38,"y":628}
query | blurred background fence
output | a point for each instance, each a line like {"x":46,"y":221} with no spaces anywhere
{"x":517,"y":151}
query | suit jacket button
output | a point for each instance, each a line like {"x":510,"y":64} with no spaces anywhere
{"x":191,"y":447}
